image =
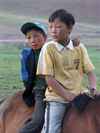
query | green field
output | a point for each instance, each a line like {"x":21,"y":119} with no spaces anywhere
{"x":10,"y":75}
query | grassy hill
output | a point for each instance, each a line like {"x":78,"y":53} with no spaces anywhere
{"x":85,"y":11}
{"x":14,"y":13}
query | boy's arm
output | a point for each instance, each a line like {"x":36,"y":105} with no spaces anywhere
{"x":92,"y":80}
{"x":58,"y":88}
{"x":93,"y":83}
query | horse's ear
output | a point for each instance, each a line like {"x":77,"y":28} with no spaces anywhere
{"x":75,"y":41}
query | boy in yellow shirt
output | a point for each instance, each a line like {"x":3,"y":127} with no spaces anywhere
{"x":63,"y":67}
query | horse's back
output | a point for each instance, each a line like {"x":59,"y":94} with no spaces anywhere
{"x":86,"y":121}
{"x":13,"y":113}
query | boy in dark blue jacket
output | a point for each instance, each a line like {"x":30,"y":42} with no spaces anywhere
{"x":34,"y":85}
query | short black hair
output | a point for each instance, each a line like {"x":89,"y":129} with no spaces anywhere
{"x":64,"y":16}
{"x":36,"y":29}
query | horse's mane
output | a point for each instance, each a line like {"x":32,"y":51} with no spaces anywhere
{"x":81,"y":101}
{"x":2,"y":101}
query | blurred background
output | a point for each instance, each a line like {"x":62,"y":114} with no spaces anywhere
{"x":13,"y":13}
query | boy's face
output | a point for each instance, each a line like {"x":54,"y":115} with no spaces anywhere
{"x":35,"y":39}
{"x":59,"y":31}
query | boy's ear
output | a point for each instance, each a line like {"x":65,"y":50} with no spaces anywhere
{"x":45,"y":37}
{"x":70,"y":28}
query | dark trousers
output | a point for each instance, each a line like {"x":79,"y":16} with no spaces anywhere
{"x":35,"y":123}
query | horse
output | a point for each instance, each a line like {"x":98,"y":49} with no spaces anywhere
{"x":14,"y":112}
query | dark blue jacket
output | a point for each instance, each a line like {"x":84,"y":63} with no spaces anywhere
{"x":28,"y":73}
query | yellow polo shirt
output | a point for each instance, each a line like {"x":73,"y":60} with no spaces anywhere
{"x":66,"y":64}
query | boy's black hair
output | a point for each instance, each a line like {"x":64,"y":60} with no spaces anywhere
{"x":64,"y":16}
{"x":36,"y":29}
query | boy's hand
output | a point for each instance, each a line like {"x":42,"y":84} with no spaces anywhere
{"x":75,"y":41}
{"x":96,"y":93}
{"x":93,"y":92}
{"x":71,"y":98}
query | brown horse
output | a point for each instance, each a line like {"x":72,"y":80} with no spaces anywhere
{"x":14,"y":112}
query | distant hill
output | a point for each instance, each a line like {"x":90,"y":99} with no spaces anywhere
{"x":13,"y":13}
{"x":85,"y":11}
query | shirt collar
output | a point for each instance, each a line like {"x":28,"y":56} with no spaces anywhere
{"x":60,"y":47}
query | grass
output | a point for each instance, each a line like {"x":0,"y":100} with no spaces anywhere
{"x":88,"y":25}
{"x":17,"y":18}
{"x":94,"y":56}
{"x":10,"y":75}
{"x":94,"y":41}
